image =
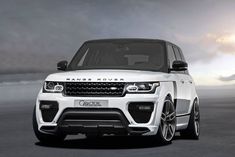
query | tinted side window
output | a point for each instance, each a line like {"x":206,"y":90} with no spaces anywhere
{"x":182,"y":55}
{"x":171,"y":55}
{"x":183,"y":59}
{"x":177,"y":53}
{"x":179,"y":56}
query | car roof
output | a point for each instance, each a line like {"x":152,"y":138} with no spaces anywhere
{"x":127,"y":40}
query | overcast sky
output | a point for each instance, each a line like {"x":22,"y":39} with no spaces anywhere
{"x":35,"y":34}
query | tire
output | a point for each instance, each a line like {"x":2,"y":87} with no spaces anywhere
{"x":193,"y":129}
{"x":46,"y":138}
{"x":167,"y":126}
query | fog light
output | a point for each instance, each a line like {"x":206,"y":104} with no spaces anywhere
{"x":48,"y":110}
{"x":141,"y":111}
{"x":45,"y":106}
{"x":145,"y":108}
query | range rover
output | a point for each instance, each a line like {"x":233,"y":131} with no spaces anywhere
{"x":119,"y":87}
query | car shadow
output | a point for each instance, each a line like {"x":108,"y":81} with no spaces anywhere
{"x":107,"y":142}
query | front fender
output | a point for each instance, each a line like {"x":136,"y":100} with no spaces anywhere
{"x":166,"y":89}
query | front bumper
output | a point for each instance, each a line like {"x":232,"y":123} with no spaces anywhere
{"x":117,"y":107}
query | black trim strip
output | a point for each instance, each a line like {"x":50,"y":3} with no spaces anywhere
{"x":182,"y":115}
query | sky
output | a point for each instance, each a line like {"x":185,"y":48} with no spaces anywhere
{"x":36,"y":34}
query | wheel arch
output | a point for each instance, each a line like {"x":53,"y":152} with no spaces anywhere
{"x":191,"y":105}
{"x":166,"y":90}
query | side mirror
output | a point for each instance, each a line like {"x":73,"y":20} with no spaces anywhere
{"x":62,"y":65}
{"x":179,"y":66}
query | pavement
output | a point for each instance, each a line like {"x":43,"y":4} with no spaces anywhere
{"x":17,"y":138}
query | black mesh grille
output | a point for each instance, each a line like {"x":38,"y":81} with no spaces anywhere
{"x":140,"y":115}
{"x":94,"y":88}
{"x":48,"y":113}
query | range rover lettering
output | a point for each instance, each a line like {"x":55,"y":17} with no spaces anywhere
{"x":119,"y":87}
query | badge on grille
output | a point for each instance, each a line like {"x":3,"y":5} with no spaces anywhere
{"x":113,"y":88}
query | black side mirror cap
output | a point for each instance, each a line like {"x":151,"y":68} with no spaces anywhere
{"x":179,"y":66}
{"x":62,"y":65}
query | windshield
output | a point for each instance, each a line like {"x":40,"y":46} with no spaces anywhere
{"x":118,"y":55}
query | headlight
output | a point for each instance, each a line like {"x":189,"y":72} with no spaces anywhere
{"x":53,"y":87}
{"x":145,"y":87}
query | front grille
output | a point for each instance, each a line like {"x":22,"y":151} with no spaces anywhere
{"x":94,"y":88}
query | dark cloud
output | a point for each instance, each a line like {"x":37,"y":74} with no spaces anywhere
{"x":35,"y":34}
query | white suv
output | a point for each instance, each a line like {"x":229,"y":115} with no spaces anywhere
{"x":119,"y":87}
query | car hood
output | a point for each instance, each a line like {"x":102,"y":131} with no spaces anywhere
{"x":108,"y":76}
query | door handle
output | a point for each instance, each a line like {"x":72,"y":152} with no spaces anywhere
{"x":182,"y":81}
{"x":190,"y":82}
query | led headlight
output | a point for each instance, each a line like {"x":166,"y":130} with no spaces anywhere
{"x":142,"y":87}
{"x":53,"y":87}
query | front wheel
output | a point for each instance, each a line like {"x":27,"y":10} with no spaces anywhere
{"x":46,"y":138}
{"x":193,"y":129}
{"x":167,"y":127}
